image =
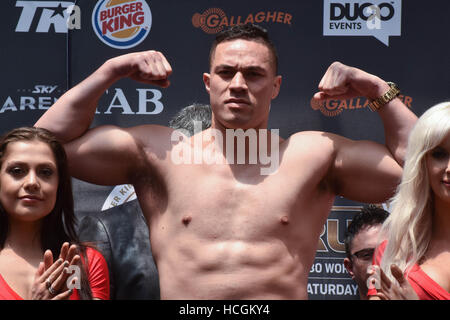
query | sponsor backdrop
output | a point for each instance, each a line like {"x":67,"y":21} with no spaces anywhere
{"x":49,"y":46}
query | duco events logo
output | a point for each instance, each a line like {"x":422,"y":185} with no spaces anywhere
{"x":377,"y":18}
{"x":332,"y":108}
{"x":122,"y":24}
{"x":214,"y":20}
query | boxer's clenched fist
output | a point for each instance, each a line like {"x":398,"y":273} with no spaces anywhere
{"x":148,"y":66}
{"x":344,"y":82}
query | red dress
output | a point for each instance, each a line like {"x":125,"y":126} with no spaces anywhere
{"x":97,"y":273}
{"x":425,"y":287}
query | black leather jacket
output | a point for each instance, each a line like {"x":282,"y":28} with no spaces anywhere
{"x":121,"y":235}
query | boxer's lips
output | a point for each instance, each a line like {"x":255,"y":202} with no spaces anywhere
{"x":237,"y":103}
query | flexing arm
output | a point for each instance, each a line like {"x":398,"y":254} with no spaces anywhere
{"x":106,"y":154}
{"x":364,"y":170}
{"x":72,"y":113}
{"x":344,"y":82}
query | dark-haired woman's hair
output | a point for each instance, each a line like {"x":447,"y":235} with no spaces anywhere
{"x":58,"y":226}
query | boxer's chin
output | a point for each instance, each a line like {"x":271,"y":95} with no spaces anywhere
{"x":236,"y":122}
{"x":239,"y":118}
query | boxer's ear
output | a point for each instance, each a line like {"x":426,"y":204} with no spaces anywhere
{"x":206,"y":81}
{"x":276,"y":86}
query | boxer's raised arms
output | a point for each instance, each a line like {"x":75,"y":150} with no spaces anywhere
{"x":109,"y":154}
{"x":364,"y":170}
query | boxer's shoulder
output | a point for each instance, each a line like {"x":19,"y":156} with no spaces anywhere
{"x":311,"y":141}
{"x":313,"y":149}
{"x":151,"y":138}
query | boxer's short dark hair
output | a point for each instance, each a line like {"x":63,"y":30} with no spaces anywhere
{"x":248,"y":31}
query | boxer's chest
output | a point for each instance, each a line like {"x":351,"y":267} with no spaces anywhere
{"x":234,"y":202}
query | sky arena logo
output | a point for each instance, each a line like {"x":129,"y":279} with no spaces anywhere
{"x":214,"y":20}
{"x":116,"y":101}
{"x":40,"y":97}
{"x":122,"y":24}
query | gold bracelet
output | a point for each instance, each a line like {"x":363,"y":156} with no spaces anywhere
{"x":390,"y":95}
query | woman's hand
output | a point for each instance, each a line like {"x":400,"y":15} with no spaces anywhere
{"x":400,"y":289}
{"x":50,"y":280}
{"x":47,"y":283}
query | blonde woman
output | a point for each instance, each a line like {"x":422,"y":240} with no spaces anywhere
{"x":414,"y":257}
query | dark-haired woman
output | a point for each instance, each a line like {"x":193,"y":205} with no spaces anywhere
{"x":40,"y":255}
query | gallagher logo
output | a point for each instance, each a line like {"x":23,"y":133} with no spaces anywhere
{"x":332,"y":108}
{"x":214,"y":20}
{"x":122,"y":24}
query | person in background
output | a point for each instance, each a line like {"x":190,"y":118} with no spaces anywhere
{"x":37,"y":224}
{"x":360,"y":241}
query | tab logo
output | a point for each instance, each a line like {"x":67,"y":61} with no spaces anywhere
{"x":377,"y":18}
{"x":122,"y":24}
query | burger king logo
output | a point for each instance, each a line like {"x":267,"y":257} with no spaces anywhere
{"x":119,"y":195}
{"x":122,"y":24}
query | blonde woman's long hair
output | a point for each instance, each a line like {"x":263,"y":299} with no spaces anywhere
{"x":408,"y":227}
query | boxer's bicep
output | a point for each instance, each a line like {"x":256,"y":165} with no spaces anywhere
{"x":105,"y":155}
{"x":365,"y":171}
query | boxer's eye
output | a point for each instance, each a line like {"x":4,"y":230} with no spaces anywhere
{"x":225,"y":73}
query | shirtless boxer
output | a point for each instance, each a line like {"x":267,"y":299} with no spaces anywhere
{"x":224,"y":231}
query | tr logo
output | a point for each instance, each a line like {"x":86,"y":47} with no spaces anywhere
{"x":62,"y":15}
